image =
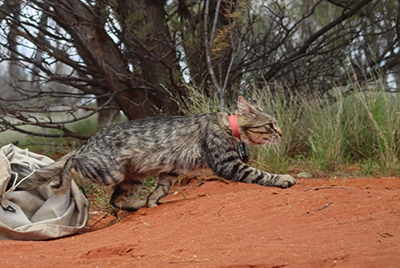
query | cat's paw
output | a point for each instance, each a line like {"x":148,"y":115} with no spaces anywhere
{"x":129,"y":205}
{"x":151,"y":204}
{"x":285,"y":181}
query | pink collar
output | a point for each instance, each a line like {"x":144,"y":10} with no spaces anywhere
{"x":234,"y":125}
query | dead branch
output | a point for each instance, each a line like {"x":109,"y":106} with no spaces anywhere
{"x":328,"y":187}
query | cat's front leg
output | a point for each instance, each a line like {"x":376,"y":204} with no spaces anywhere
{"x":252,"y":175}
{"x":230,"y":167}
{"x":282,"y":181}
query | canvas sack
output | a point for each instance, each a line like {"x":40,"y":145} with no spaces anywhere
{"x":37,"y":214}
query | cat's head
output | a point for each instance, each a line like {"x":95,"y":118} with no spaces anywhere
{"x":255,"y":125}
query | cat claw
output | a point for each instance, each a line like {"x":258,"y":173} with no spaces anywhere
{"x":129,"y":205}
{"x":285,"y":181}
{"x":151,"y":205}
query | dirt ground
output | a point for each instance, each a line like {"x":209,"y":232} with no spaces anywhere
{"x":351,"y":222}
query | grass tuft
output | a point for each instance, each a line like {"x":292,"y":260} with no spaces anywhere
{"x":351,"y":131}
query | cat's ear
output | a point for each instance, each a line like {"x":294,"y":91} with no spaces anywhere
{"x":245,"y":108}
{"x":254,"y":103}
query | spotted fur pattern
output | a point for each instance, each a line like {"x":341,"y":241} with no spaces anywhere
{"x":124,"y":155}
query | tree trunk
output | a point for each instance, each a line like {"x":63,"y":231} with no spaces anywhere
{"x":14,"y":71}
{"x":96,"y":47}
{"x":151,"y":50}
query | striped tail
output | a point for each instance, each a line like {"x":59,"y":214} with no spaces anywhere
{"x":29,"y":179}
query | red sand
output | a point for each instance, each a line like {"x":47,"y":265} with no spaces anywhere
{"x":355,"y":223}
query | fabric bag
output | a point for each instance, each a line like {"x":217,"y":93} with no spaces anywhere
{"x":37,"y":214}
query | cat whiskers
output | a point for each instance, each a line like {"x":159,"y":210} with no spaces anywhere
{"x":270,"y":142}
{"x":275,"y":145}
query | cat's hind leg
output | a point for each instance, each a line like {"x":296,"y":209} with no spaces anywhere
{"x":124,"y":195}
{"x":165,"y":182}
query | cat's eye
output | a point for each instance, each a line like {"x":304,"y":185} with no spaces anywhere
{"x":266,"y":128}
{"x":271,"y":126}
{"x":262,"y":130}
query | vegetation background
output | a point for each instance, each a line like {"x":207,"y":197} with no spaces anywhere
{"x":328,"y":70}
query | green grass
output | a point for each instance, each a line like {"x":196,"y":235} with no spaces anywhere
{"x":360,"y":129}
{"x":353,"y":135}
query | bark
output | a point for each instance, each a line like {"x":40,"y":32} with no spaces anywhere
{"x":98,"y":49}
{"x":15,"y":73}
{"x":107,"y":115}
{"x":150,"y":49}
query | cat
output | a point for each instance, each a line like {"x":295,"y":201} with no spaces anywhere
{"x":124,"y":155}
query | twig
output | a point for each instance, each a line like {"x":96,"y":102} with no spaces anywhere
{"x":95,"y":222}
{"x":218,"y":179}
{"x":337,"y":221}
{"x":385,"y":235}
{"x":203,"y":180}
{"x":217,"y":214}
{"x":328,"y":187}
{"x":327,"y":205}
{"x":208,"y":48}
{"x":189,"y":261}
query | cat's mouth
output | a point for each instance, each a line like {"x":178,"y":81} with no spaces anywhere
{"x":268,"y":141}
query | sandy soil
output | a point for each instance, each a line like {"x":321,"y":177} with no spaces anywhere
{"x":209,"y":223}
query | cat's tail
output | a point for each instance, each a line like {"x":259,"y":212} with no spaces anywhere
{"x":54,"y":173}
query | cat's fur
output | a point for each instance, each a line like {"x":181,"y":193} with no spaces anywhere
{"x":124,"y":155}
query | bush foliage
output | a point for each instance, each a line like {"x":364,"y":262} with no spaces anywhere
{"x":351,"y":131}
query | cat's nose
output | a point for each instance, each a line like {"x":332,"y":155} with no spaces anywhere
{"x":279,"y":131}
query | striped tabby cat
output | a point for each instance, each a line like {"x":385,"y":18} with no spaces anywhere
{"x":124,"y":155}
